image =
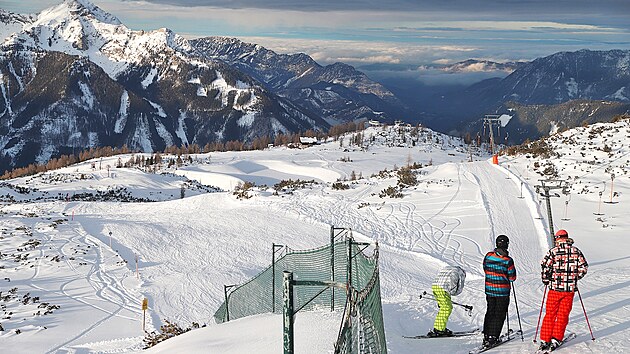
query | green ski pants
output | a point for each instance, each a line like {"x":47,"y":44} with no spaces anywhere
{"x":446,"y":307}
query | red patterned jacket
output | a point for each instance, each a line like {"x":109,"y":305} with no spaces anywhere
{"x":563,"y":266}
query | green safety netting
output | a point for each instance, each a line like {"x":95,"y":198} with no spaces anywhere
{"x":362,"y":330}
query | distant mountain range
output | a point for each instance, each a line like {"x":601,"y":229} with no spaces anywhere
{"x":74,"y":77}
{"x":601,"y":77}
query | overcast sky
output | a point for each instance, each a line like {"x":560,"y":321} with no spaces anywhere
{"x":391,"y":33}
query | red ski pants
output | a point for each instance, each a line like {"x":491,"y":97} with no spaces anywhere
{"x":559,"y":305}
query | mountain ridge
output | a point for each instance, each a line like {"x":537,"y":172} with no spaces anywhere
{"x":162,"y":92}
{"x":557,"y":79}
{"x":300,"y":78}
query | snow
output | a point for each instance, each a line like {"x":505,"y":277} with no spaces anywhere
{"x":202,"y":92}
{"x":505,"y":119}
{"x":17,"y":77}
{"x":6,"y":30}
{"x":87,"y":96}
{"x":158,"y":108}
{"x":121,"y":121}
{"x":6,"y":98}
{"x":141,"y":136}
{"x":181,"y":128}
{"x":187,"y":249}
{"x":93,"y":139}
{"x":619,"y":94}
{"x":247,"y":119}
{"x":225,"y":89}
{"x":572,"y":88}
{"x":242,"y":85}
{"x":163,"y":132}
{"x":148,"y":80}
{"x":240,"y":336}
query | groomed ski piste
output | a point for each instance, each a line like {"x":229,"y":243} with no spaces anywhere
{"x":187,"y":249}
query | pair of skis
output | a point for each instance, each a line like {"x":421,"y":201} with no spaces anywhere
{"x":504,"y":338}
{"x":509,"y":336}
{"x":454,"y":334}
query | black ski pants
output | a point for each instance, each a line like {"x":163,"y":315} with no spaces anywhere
{"x":495,"y":315}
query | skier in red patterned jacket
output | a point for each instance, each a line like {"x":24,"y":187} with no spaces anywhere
{"x":562,"y":267}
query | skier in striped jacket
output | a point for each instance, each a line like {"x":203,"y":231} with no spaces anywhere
{"x":500,"y":273}
{"x":562,"y":267}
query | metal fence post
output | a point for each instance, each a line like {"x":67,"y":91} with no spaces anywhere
{"x":273,"y":277}
{"x":227,"y":311}
{"x":349,"y":265}
{"x":287,"y":312}
{"x":332,"y":266}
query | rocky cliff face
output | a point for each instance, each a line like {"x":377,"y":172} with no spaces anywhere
{"x":337,"y":92}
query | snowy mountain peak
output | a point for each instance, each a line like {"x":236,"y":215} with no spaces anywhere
{"x":7,"y":17}
{"x":72,"y":27}
{"x":85,"y":8}
{"x":11,"y":23}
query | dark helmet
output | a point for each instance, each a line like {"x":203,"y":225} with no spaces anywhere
{"x":502,"y":242}
{"x":561,"y":234}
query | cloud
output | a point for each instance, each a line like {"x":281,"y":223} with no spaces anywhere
{"x":362,"y":52}
{"x":401,"y":33}
{"x":493,"y":7}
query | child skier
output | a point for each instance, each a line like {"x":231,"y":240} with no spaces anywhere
{"x":449,"y":282}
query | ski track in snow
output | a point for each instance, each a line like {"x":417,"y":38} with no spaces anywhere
{"x":434,"y":231}
{"x":108,"y":296}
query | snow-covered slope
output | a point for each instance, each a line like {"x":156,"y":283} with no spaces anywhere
{"x":11,"y":23}
{"x":187,"y":249}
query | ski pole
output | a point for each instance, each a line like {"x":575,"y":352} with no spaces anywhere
{"x":507,"y":317}
{"x":541,"y":307}
{"x":518,"y":315}
{"x":585,"y":316}
{"x":469,"y":308}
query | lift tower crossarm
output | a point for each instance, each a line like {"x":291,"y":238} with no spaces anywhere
{"x":543,"y":189}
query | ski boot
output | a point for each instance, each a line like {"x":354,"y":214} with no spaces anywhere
{"x":489,"y":341}
{"x":544,"y":346}
{"x":555,"y":344}
{"x":438,"y":333}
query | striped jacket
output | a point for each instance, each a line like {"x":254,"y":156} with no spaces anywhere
{"x":500,"y":272}
{"x":563,"y":266}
